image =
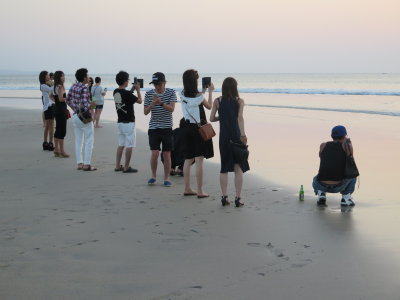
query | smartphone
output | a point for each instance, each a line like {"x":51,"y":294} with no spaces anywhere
{"x":205,"y":82}
{"x":136,"y":80}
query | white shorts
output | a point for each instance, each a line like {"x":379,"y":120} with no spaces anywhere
{"x":127,"y":135}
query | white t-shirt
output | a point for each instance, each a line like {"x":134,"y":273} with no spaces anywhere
{"x":190,"y":107}
{"x":45,"y":89}
{"x":97,"y":91}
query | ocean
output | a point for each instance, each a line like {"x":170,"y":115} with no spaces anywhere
{"x":356,"y":93}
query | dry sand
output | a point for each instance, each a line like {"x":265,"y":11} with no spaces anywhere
{"x":68,"y":234}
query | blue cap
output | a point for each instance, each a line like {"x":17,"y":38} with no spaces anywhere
{"x":338,"y":131}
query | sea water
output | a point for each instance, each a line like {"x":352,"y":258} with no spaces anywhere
{"x":356,"y":93}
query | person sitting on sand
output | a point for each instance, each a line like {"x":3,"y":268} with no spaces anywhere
{"x":331,"y":178}
{"x":124,"y":101}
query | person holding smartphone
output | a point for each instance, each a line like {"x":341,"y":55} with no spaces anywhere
{"x":195,"y":148}
{"x":98,"y":94}
{"x":160,"y":103}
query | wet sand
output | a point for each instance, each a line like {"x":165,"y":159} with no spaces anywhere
{"x":68,"y":234}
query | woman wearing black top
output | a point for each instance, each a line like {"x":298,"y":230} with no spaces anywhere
{"x":231,"y":128}
{"x":61,"y":114}
{"x":195,"y":149}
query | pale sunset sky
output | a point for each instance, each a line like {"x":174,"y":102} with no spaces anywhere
{"x":215,"y":36}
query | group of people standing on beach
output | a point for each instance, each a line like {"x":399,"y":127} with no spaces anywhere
{"x":159,"y":102}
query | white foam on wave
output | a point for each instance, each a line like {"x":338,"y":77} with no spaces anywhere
{"x":358,"y":111}
{"x":266,"y":91}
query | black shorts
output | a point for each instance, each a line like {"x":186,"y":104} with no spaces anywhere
{"x":99,"y":106}
{"x":161,"y":136}
{"x":49,"y":113}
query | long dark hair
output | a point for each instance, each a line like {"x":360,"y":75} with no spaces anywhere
{"x":229,"y":89}
{"x":57,"y":78}
{"x":42,"y":77}
{"x":190,"y":78}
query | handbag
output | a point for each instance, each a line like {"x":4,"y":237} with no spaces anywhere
{"x":350,"y":170}
{"x":206,"y":131}
{"x":240,"y":151}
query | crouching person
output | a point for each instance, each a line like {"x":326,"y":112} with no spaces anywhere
{"x":331,"y":176}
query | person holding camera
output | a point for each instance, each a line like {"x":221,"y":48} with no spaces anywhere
{"x":48,"y":113}
{"x":331,"y":174}
{"x":195,"y":148}
{"x":98,"y":94}
{"x":231,"y":129}
{"x":124,"y":102}
{"x":78,"y":100}
{"x":160,"y":103}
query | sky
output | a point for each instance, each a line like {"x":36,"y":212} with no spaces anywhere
{"x":212,"y":36}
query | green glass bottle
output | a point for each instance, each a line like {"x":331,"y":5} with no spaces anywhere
{"x":301,"y":193}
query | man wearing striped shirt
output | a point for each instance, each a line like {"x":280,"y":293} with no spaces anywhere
{"x":160,"y":102}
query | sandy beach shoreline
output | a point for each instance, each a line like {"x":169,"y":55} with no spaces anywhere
{"x":66,"y":234}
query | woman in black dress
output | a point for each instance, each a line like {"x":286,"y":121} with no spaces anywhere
{"x":231,"y":128}
{"x":61,"y":114}
{"x":195,"y":148}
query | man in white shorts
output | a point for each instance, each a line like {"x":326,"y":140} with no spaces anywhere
{"x":124,"y":100}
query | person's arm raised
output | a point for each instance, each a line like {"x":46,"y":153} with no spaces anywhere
{"x":213,"y":117}
{"x":208,"y":103}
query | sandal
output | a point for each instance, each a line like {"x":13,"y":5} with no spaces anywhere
{"x":56,"y":154}
{"x":190,"y":194}
{"x":80,"y":167}
{"x":238,"y":203}
{"x":121,"y":168}
{"x":63,"y":154}
{"x":89,"y":168}
{"x":203,"y":196}
{"x":50,"y":147}
{"x":224,"y":200}
{"x":130,"y":170}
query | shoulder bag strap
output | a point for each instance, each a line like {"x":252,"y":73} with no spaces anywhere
{"x":184,"y":101}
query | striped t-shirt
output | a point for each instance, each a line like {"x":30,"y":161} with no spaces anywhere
{"x":160,"y":117}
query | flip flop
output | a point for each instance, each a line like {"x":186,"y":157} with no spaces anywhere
{"x":130,"y":170}
{"x":90,"y":168}
{"x":190,"y":194}
{"x":203,"y":196}
{"x":121,"y":168}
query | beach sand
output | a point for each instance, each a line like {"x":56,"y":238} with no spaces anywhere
{"x":68,"y":234}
